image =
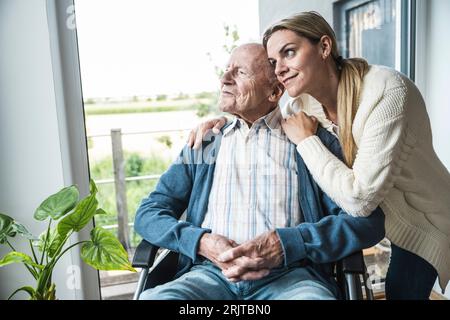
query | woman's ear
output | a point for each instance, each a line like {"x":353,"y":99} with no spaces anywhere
{"x":278,"y":90}
{"x":326,"y":46}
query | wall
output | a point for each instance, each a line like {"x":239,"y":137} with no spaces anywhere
{"x":34,"y":134}
{"x":272,"y":11}
{"x":437,"y":74}
{"x":434,"y":75}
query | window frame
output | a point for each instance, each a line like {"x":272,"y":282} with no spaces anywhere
{"x":405,"y":50}
{"x":71,"y":123}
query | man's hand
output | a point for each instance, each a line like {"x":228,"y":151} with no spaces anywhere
{"x":212,"y":245}
{"x":264,"y":252}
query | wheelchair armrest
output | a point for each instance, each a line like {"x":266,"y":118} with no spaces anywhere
{"x":145,"y":255}
{"x":354,"y":263}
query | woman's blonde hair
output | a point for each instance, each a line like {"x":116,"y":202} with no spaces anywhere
{"x":313,"y":26}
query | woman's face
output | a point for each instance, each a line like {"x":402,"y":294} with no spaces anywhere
{"x":297,"y":62}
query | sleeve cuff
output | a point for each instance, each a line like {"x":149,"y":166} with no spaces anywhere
{"x":311,"y":146}
{"x":293,"y":245}
{"x":190,"y":241}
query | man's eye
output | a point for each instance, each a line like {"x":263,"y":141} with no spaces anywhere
{"x":273,"y":63}
{"x":240,"y":71}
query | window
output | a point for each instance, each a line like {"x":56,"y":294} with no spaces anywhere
{"x":381,"y":31}
{"x":150,"y":73}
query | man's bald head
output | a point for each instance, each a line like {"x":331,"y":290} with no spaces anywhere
{"x":260,"y":59}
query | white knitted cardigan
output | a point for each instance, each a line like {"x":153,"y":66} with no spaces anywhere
{"x":395,"y":168}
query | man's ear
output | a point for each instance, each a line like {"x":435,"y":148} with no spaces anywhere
{"x":277,"y":92}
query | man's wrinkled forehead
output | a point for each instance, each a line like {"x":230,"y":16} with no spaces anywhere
{"x":251,"y":56}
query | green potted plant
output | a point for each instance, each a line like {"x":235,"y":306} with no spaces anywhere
{"x":103,"y":251}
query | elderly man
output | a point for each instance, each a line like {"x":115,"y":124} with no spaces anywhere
{"x":257,"y":225}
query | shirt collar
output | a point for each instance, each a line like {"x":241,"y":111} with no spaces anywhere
{"x":272,"y":120}
{"x":231,"y":127}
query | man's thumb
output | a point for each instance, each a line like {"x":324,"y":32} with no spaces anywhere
{"x":227,"y":255}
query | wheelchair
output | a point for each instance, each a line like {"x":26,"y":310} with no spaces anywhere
{"x":351,"y":274}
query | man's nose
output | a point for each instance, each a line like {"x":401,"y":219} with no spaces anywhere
{"x":226,"y":78}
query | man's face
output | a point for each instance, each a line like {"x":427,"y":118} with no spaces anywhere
{"x":245,"y":86}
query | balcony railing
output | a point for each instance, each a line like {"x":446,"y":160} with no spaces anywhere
{"x":119,"y":179}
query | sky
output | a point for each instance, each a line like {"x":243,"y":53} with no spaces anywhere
{"x":149,"y":47}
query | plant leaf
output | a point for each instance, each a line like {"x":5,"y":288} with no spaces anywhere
{"x":6,"y":223}
{"x":20,"y":229}
{"x":27,"y":289}
{"x":105,"y":252}
{"x":53,"y":243}
{"x":100,"y":211}
{"x":15,"y":257}
{"x":57,"y":204}
{"x":77,"y":220}
{"x":92,"y":187}
{"x":40,"y":243}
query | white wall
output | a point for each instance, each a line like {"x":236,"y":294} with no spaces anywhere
{"x":31,"y":156}
{"x":271,"y":11}
{"x":33,"y":132}
{"x":435,"y":72}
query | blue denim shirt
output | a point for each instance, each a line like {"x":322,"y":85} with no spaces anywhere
{"x":327,"y":234}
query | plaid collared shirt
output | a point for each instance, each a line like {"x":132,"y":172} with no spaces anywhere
{"x":255,"y":186}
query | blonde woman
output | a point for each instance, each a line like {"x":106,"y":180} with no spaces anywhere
{"x":383,"y":127}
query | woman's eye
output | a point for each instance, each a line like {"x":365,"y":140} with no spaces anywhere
{"x":289,"y":53}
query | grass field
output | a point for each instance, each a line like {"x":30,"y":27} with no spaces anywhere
{"x":147,"y":106}
{"x":145,"y":154}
